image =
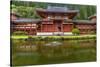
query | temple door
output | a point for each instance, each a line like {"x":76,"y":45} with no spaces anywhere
{"x":58,"y":26}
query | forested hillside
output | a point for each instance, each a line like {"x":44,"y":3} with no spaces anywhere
{"x":26,"y":9}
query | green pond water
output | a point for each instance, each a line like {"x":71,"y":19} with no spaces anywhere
{"x":30,"y":52}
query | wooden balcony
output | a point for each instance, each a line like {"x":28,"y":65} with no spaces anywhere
{"x":58,"y":18}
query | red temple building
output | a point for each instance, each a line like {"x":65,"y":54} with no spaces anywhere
{"x":55,"y":20}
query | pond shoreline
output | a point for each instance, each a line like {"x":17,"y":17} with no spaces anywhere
{"x":53,"y":49}
{"x":78,"y":37}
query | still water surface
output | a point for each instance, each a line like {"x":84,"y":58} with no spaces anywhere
{"x":26,"y":52}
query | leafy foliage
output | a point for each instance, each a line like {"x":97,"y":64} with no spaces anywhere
{"x":76,"y":31}
{"x":19,"y":33}
{"x":27,"y":9}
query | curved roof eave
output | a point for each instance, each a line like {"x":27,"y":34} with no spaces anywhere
{"x":68,"y":11}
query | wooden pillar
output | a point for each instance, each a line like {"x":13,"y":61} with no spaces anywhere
{"x":36,"y":30}
{"x":30,"y":28}
{"x":41,"y":27}
{"x":46,"y":28}
{"x":62,"y":26}
{"x":25,"y":27}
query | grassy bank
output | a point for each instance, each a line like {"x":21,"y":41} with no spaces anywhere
{"x":55,"y":37}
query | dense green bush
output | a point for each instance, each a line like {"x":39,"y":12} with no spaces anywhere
{"x":76,"y":31}
{"x":92,"y":32}
{"x":19,"y":33}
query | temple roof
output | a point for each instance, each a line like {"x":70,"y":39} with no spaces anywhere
{"x":29,"y":20}
{"x":92,"y":16}
{"x":15,"y":14}
{"x":56,"y":10}
{"x":83,"y":22}
{"x":59,"y":9}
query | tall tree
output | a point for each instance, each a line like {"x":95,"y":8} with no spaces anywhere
{"x":27,"y":9}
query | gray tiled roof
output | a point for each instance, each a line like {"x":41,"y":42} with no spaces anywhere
{"x":85,"y":21}
{"x":82,"y":21}
{"x":92,"y":16}
{"x":16,"y":14}
{"x":59,"y":9}
{"x":26,"y":20}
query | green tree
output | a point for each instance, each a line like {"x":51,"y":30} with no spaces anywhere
{"x":27,"y":8}
{"x":75,"y":31}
